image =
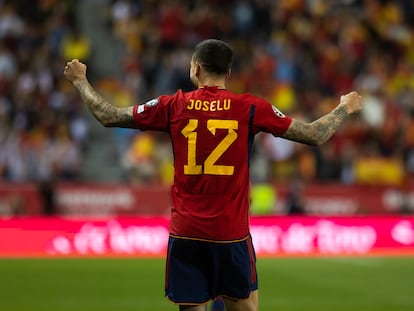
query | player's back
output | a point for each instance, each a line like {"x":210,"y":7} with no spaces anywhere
{"x":211,"y":132}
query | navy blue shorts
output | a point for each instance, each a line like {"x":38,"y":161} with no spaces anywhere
{"x":198,"y":271}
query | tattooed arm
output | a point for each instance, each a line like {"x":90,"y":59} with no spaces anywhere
{"x":106,"y":113}
{"x":322,"y":129}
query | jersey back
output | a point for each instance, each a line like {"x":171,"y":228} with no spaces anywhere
{"x":212,"y":132}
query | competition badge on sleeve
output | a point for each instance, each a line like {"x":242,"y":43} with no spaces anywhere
{"x":150,"y":103}
{"x":278,"y":112}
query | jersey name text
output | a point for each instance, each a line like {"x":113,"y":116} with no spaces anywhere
{"x":205,"y":105}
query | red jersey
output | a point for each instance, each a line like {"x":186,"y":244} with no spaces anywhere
{"x":212,"y":132}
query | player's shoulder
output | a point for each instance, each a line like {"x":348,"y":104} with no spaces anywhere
{"x":173,"y":98}
{"x":262,"y":105}
{"x":252,"y":99}
{"x":179,"y":93}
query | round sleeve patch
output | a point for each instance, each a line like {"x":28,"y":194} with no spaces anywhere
{"x":278,"y":112}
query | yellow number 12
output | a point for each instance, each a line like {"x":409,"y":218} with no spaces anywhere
{"x":210,"y":166}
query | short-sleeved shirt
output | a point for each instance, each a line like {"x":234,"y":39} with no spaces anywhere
{"x":212,"y":131}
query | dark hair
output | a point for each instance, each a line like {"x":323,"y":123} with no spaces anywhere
{"x":215,"y":56}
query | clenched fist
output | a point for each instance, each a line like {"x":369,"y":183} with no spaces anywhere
{"x":352,"y":102}
{"x":75,"y":70}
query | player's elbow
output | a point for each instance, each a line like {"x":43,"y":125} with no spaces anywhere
{"x":107,"y":123}
{"x":314,"y":142}
{"x":320,"y":140}
{"x":118,"y":123}
{"x":307,"y":140}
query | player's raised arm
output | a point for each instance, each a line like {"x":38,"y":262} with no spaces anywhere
{"x":104,"y":112}
{"x":320,"y":130}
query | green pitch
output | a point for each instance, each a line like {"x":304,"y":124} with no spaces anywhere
{"x":286,"y":284}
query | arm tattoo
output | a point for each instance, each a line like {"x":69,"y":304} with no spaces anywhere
{"x":318,"y":131}
{"x":104,"y":112}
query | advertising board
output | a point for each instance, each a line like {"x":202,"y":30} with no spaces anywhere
{"x":148,"y":236}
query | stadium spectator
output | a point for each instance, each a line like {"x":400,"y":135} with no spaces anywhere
{"x":75,"y":45}
{"x":12,"y":153}
{"x":139,"y":160}
{"x":295,"y":203}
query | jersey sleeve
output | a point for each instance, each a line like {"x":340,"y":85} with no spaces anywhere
{"x":154,"y":114}
{"x":269,"y":119}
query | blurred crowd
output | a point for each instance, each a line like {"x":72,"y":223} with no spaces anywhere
{"x":42,"y":128}
{"x":301,"y":55}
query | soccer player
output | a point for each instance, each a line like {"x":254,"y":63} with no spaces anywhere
{"x":210,"y":251}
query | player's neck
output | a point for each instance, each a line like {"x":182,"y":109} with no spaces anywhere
{"x":221,"y":84}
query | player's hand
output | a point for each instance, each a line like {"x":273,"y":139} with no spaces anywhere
{"x":352,"y":102}
{"x":75,"y":70}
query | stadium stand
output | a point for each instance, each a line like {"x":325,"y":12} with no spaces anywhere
{"x":300,"y":55}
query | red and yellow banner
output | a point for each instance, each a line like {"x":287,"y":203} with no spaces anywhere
{"x":148,"y":236}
